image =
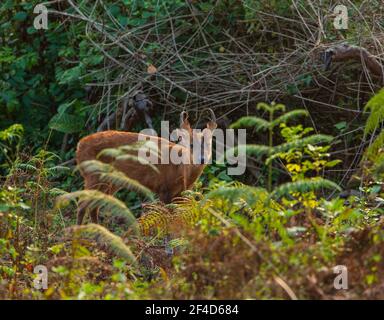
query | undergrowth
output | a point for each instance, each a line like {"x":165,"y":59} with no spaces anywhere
{"x":223,"y":240}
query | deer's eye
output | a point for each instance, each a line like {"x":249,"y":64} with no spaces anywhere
{"x":176,"y":140}
{"x":191,"y":145}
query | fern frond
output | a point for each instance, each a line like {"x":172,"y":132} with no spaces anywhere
{"x":45,"y":156}
{"x":289,"y":116}
{"x":161,"y":219}
{"x":313,"y":139}
{"x":246,"y":122}
{"x":57,"y":192}
{"x":374,"y":149}
{"x":264,"y":106}
{"x":256,"y":150}
{"x":106,"y":239}
{"x":136,"y":158}
{"x":109,"y":174}
{"x":376,"y":106}
{"x":271,"y":108}
{"x":272,"y":157}
{"x":232,"y":194}
{"x":303,"y":186}
{"x":248,"y":149}
{"x":378,"y":168}
{"x":97,"y":199}
{"x":13,"y":132}
{"x":149,"y":145}
{"x":25,"y":167}
{"x":57,"y":169}
{"x":255,"y":198}
{"x":130,"y":153}
{"x":128,"y":157}
{"x":154,"y":221}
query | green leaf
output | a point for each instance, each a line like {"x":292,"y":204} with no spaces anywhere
{"x":70,"y":75}
{"x":66,"y":123}
{"x":375,"y":189}
{"x":332,"y":163}
{"x":341,"y":125}
{"x":223,"y":176}
{"x":64,"y":107}
{"x":20,"y":16}
{"x":205,"y":6}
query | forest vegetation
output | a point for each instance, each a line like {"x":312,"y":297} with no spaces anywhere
{"x":310,"y":96}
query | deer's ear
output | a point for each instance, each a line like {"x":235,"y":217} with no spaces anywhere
{"x":211,"y":125}
{"x":184,"y":123}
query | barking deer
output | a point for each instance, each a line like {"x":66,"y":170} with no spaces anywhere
{"x":170,"y":180}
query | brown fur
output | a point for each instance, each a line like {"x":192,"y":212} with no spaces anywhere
{"x":168,"y":183}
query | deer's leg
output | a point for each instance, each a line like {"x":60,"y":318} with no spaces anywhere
{"x":82,"y":209}
{"x":165,"y":196}
{"x":107,"y":189}
{"x":93,"y":183}
{"x":94,"y":215}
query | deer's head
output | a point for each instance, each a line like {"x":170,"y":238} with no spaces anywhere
{"x":198,"y":142}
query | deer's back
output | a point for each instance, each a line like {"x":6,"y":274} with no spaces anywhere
{"x":168,"y":182}
{"x":90,"y":146}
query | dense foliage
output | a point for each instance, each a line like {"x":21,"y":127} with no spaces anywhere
{"x":312,"y":195}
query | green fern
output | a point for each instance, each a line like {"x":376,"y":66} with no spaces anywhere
{"x":130,"y":153}
{"x":249,"y":194}
{"x":271,"y":108}
{"x":270,"y":151}
{"x":313,"y":140}
{"x":246,"y":122}
{"x":106,"y":239}
{"x":289,"y":116}
{"x":10,"y":141}
{"x":376,"y":148}
{"x":249,"y":200}
{"x":160,"y":219}
{"x":155,"y":221}
{"x":260,"y":150}
{"x":12,"y":133}
{"x":378,"y":170}
{"x":109,"y":174}
{"x":261,"y":124}
{"x":252,"y":149}
{"x":303,"y":186}
{"x":97,"y":199}
{"x":376,"y":106}
{"x":375,"y":151}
